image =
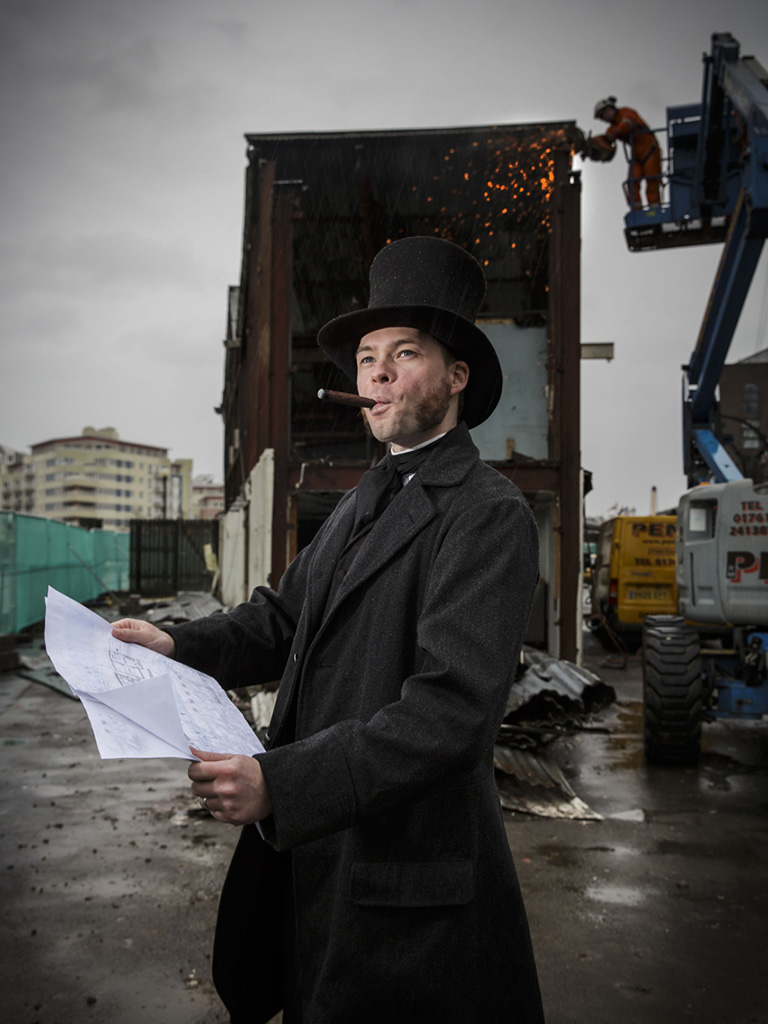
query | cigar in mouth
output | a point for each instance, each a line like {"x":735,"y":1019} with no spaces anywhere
{"x":342,"y":398}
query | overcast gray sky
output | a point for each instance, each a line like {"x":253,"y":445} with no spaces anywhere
{"x":122,"y":164}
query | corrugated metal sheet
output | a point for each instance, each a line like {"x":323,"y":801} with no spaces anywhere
{"x":533,"y":784}
{"x":574,"y":689}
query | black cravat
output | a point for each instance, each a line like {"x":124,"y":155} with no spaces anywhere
{"x":376,"y":489}
{"x":379,"y":485}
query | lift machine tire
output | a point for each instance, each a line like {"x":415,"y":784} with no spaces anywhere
{"x":673,"y":691}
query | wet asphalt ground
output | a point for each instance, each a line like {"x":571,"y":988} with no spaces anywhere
{"x":659,"y":912}
{"x":656,"y":913}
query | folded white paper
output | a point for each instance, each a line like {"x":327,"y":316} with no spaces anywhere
{"x":139,"y":703}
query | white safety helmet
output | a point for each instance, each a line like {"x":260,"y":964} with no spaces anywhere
{"x":602,"y":104}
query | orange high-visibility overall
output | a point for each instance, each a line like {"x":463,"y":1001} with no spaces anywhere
{"x":645,"y":162}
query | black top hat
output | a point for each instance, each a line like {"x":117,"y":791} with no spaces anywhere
{"x":437,"y":287}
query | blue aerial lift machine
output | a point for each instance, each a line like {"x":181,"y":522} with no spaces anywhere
{"x":715,"y":189}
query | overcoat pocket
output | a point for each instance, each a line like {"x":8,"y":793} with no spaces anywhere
{"x":412,"y":884}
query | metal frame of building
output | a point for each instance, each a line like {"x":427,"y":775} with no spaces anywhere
{"x":318,"y":207}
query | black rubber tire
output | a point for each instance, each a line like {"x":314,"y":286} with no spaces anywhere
{"x":673,"y":691}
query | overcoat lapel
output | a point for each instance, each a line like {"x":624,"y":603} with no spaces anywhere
{"x":326,"y":560}
{"x":395,"y":529}
{"x":323,"y":568}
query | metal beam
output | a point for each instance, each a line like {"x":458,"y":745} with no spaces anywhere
{"x":255,"y":396}
{"x":279,"y":377}
{"x":318,"y":477}
{"x":743,"y":83}
{"x":532,"y":478}
{"x":597,"y":350}
{"x":563,"y":324}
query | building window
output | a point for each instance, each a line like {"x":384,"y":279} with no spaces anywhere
{"x":750,"y":438}
{"x":750,"y":400}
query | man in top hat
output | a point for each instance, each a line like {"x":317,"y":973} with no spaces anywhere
{"x":383,"y":891}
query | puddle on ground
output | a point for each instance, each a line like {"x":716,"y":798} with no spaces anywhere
{"x":620,"y":895}
{"x":720,"y":772}
{"x":626,"y":756}
{"x":575,"y":856}
{"x":625,"y":742}
{"x":629,"y":720}
{"x":561,"y":856}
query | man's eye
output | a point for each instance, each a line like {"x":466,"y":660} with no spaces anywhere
{"x":406,"y":352}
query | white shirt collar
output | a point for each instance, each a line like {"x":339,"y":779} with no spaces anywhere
{"x":404,"y":451}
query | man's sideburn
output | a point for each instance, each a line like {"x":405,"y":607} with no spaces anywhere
{"x":430,"y":412}
{"x":434,"y":407}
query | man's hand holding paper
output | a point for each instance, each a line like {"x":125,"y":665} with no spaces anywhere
{"x":139,"y":631}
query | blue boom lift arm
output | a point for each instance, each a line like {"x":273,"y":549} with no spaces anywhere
{"x":734,"y":115}
{"x":717,"y":188}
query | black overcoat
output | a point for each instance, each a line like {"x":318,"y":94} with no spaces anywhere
{"x":385,"y":805}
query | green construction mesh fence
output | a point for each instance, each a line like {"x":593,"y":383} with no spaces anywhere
{"x":37,"y":553}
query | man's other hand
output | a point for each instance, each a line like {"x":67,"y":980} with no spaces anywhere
{"x":137,"y":631}
{"x":233,"y":786}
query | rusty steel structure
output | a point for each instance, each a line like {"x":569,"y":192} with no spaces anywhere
{"x":317,"y":209}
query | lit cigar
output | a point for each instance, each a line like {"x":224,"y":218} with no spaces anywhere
{"x":342,"y":398}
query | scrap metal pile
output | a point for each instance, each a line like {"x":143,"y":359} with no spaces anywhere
{"x":549,"y":698}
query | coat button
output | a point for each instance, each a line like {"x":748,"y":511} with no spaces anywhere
{"x":295,"y":658}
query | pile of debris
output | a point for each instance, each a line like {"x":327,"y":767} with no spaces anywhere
{"x":549,"y":698}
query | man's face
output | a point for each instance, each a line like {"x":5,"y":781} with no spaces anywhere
{"x":416,"y":389}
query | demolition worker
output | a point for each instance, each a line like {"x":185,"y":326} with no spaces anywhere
{"x":383,"y":890}
{"x":626,"y":125}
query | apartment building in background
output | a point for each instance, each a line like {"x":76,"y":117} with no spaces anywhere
{"x":20,"y":491}
{"x":96,"y":480}
{"x":207,"y":497}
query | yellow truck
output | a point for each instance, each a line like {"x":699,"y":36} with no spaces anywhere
{"x":633,"y":576}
